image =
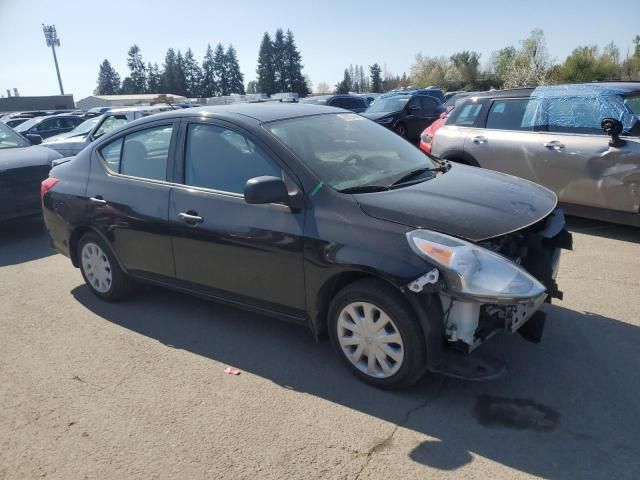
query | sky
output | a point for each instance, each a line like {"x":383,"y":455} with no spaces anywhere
{"x":330,"y":34}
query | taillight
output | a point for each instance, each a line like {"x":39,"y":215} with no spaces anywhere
{"x":46,"y":185}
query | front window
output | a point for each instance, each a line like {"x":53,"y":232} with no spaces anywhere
{"x":85,"y":127}
{"x":10,"y":139}
{"x":389,"y":104}
{"x":348,"y":151}
{"x":23,"y":127}
{"x":110,"y":123}
{"x":633,"y":104}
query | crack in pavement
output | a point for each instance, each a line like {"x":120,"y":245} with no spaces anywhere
{"x":378,"y":447}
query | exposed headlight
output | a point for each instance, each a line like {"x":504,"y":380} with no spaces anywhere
{"x":474,"y":271}
{"x":385,"y":120}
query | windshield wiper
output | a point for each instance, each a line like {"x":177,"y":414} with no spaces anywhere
{"x":365,"y":189}
{"x":419,"y":171}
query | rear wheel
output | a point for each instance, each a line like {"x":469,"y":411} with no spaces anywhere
{"x":376,"y":334}
{"x":100,"y":270}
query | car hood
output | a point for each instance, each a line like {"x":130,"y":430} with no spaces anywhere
{"x":466,"y":202}
{"x":66,"y":138}
{"x":378,"y":115}
{"x":26,"y":157}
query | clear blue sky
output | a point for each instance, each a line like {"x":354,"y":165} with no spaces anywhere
{"x":330,"y":34}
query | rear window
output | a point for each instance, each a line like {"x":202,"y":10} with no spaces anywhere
{"x":511,"y":114}
{"x":466,"y":115}
{"x":349,"y":103}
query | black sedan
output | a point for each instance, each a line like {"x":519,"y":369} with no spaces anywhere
{"x":318,"y":216}
{"x":406,"y":114}
{"x":353,"y":103}
{"x":22,"y":167}
{"x":51,"y":125}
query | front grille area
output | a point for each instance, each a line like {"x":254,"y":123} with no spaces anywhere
{"x":20,"y":190}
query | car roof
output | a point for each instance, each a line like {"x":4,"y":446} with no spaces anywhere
{"x":263,"y":112}
{"x":625,"y":87}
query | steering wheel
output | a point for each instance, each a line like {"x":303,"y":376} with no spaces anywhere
{"x":353,"y":157}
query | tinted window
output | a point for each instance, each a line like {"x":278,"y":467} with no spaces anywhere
{"x":141,"y":154}
{"x":348,"y":103}
{"x":429,"y":105}
{"x":414,"y":102}
{"x":466,"y":115}
{"x":222,"y":159}
{"x":508,"y":115}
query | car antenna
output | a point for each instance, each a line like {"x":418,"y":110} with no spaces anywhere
{"x":163,"y":99}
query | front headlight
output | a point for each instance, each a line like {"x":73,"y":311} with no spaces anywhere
{"x":385,"y":120}
{"x":474,"y":271}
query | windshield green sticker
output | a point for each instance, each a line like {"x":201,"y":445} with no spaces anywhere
{"x":317,"y":188}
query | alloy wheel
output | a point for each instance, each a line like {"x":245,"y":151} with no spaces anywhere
{"x":370,"y":340}
{"x":96,"y":267}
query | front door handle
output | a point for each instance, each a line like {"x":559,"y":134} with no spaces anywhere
{"x":479,"y":139}
{"x":191,"y":218}
{"x":98,"y":200}
{"x":556,"y":145}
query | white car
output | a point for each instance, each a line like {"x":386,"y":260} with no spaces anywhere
{"x":71,"y":143}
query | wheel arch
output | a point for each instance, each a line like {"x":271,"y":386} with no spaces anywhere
{"x":460,"y":156}
{"x":74,"y":239}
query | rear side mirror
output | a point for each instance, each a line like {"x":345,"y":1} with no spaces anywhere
{"x":613,"y":128}
{"x":260,"y":190}
{"x":34,"y":138}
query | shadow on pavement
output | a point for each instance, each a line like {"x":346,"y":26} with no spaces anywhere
{"x":23,"y":240}
{"x":567,"y":409}
{"x":603,"y":229}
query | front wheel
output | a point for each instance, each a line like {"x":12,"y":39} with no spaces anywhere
{"x":377,"y":335}
{"x":100,"y":269}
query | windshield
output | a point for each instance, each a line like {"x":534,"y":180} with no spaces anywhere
{"x":346,"y":150}
{"x":23,"y":127}
{"x":85,"y":127}
{"x":10,"y":139}
{"x":389,"y":104}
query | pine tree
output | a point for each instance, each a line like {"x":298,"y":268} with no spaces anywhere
{"x":266,"y":66}
{"x":153,"y":78}
{"x":294,"y":80}
{"x":193,"y":75}
{"x":208,"y":87}
{"x":220,"y":71}
{"x":345,"y":85}
{"x":376,"y":78}
{"x":128,"y":87}
{"x":280,"y":62}
{"x":181,"y":75}
{"x":138,"y":71}
{"x":108,"y":80}
{"x":235,"y":78}
{"x":169,"y":82}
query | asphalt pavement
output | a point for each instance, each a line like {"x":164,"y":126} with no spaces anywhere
{"x":93,"y":390}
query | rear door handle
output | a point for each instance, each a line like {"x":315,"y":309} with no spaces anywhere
{"x":556,"y":145}
{"x":98,"y":200}
{"x":479,"y":139}
{"x":190,"y":218}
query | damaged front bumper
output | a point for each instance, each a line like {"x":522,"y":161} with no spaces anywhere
{"x":468,"y":322}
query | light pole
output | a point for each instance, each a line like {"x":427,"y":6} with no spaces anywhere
{"x":51,"y":36}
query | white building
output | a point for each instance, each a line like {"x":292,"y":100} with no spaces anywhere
{"x":126,"y":100}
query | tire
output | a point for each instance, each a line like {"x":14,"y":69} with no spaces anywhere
{"x":401,"y":130}
{"x":360,"y":299}
{"x":100,"y":269}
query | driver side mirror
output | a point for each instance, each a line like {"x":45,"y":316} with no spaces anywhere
{"x":613,"y":128}
{"x":261,"y":190}
{"x":34,"y":138}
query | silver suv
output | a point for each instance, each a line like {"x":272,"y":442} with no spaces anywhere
{"x":557,"y":136}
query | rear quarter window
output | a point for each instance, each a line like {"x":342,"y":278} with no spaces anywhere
{"x":512,"y":114}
